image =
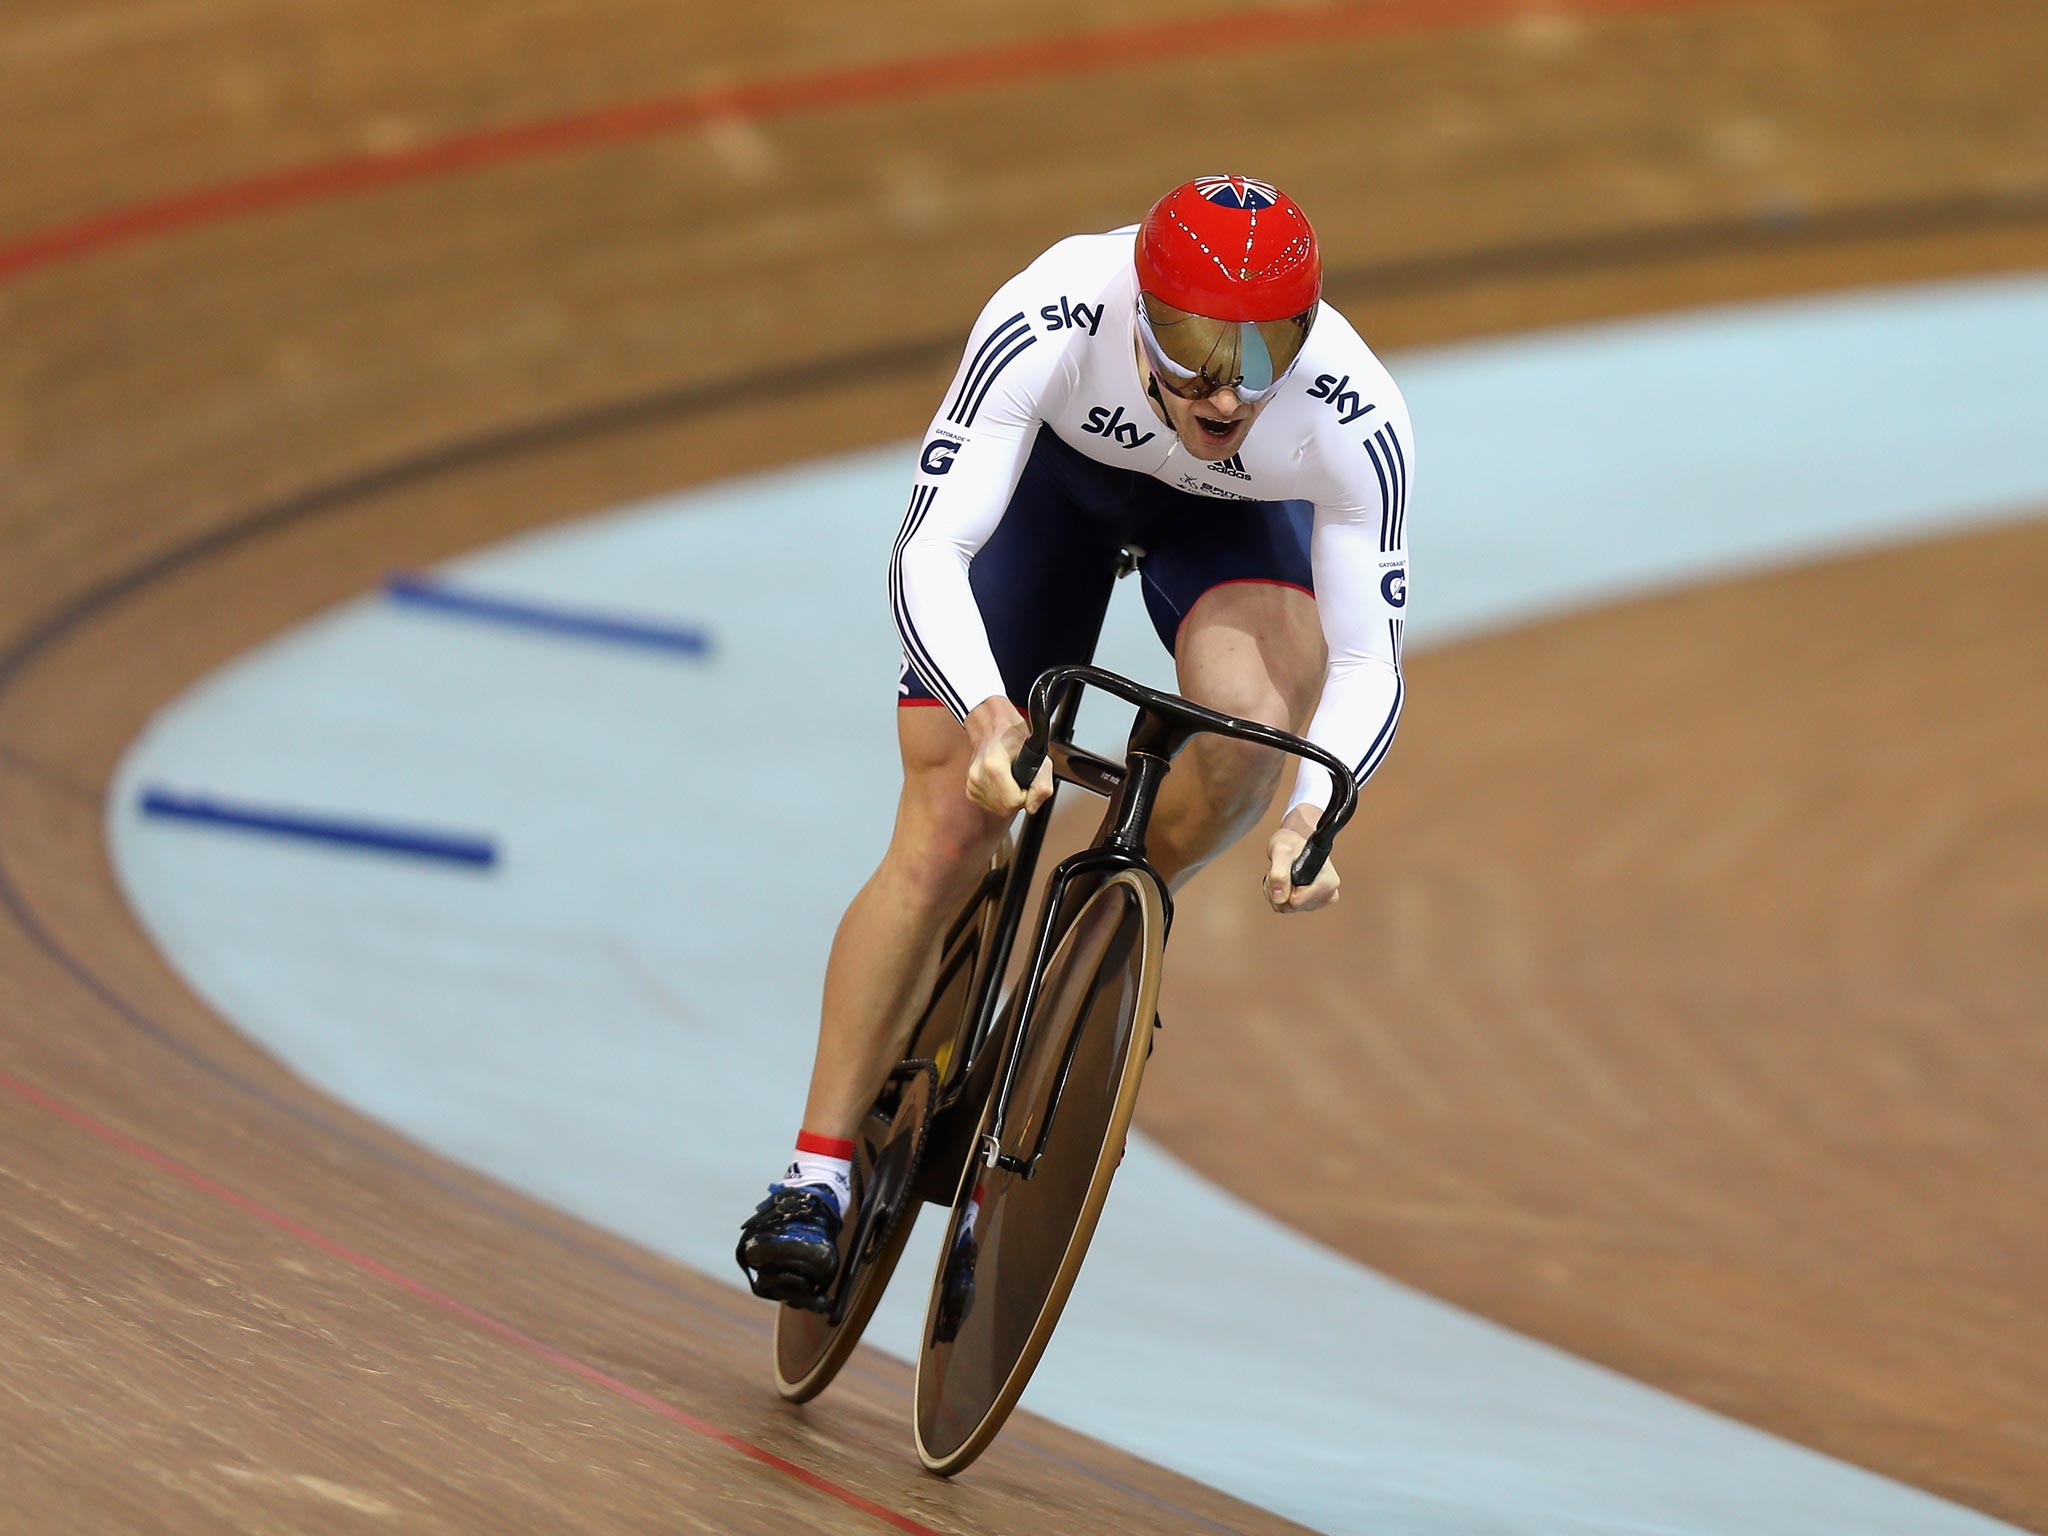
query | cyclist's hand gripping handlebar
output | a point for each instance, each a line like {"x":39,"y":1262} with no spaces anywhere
{"x":1030,"y":758}
{"x":1317,"y":851}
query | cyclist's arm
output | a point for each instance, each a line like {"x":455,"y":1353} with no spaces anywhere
{"x":1359,"y":552}
{"x":967,"y":468}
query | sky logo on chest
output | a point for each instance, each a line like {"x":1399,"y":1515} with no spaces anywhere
{"x":1103,"y":422}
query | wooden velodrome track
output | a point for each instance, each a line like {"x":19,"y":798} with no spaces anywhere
{"x":1685,"y":1007}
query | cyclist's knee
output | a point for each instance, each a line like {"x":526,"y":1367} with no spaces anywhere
{"x":956,"y":833}
{"x":1254,"y":694}
{"x":1238,"y":772}
{"x":942,"y":839}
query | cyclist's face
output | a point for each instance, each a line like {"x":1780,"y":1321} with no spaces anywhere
{"x":1211,"y":428}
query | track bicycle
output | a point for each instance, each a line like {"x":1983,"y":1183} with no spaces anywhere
{"x":1019,"y":1130}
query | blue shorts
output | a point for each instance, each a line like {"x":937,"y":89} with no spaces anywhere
{"x":1042,"y":581}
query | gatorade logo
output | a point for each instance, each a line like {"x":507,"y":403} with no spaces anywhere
{"x":937,"y":457}
{"x":1394,"y":587}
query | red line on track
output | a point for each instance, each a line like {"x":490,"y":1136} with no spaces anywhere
{"x":895,"y":80}
{"x":483,"y":1321}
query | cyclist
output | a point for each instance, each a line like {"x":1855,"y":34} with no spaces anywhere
{"x":1173,"y":398}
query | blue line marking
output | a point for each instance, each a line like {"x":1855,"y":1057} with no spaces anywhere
{"x":424,"y":592}
{"x":455,"y":847}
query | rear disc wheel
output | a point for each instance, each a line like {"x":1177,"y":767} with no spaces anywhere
{"x":811,"y":1346}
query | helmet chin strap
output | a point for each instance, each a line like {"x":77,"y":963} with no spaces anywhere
{"x":1151,"y":380}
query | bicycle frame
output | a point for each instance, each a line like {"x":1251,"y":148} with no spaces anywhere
{"x":1097,"y":861}
{"x":1165,"y":724}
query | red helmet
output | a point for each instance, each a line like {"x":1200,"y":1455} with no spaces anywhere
{"x":1228,"y":279}
{"x":1230,"y":248}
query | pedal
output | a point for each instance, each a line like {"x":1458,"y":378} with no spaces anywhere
{"x":786,"y":1265}
{"x":792,"y":1291}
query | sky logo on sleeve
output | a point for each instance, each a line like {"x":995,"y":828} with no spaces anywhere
{"x":1068,"y":315}
{"x":1338,"y":391}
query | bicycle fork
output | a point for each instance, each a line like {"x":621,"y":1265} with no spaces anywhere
{"x":1122,"y":848}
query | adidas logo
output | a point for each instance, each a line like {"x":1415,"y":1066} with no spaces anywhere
{"x":1234,"y":465}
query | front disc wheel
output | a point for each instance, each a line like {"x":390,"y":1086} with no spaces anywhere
{"x":1015,"y":1243}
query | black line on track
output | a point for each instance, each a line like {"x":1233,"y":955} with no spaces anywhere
{"x":1767,"y":232}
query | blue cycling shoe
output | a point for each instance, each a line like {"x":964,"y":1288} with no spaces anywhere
{"x":789,"y":1247}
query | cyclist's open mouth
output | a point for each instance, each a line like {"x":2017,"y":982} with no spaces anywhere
{"x":1217,"y":431}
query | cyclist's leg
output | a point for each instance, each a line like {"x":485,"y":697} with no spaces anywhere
{"x":1231,"y":595}
{"x":941,"y":843}
{"x":1251,"y":650}
{"x":888,"y":940}
{"x":1042,"y":585}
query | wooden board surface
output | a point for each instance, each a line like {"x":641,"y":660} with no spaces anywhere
{"x":1699,"y":1036}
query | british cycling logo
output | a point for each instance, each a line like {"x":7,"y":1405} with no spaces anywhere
{"x":1103,"y":422}
{"x":937,"y":457}
{"x":1067,"y":315}
{"x":1394,"y":587}
{"x":1201,"y":487}
{"x":1340,"y":394}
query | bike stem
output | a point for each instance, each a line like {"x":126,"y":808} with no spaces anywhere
{"x":1131,"y":811}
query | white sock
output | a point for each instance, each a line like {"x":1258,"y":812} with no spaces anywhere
{"x":826,"y":1161}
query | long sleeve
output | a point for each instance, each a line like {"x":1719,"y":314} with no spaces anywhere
{"x":967,"y":469}
{"x":1359,"y":552}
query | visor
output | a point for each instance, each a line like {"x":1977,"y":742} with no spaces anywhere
{"x":1194,"y":356}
